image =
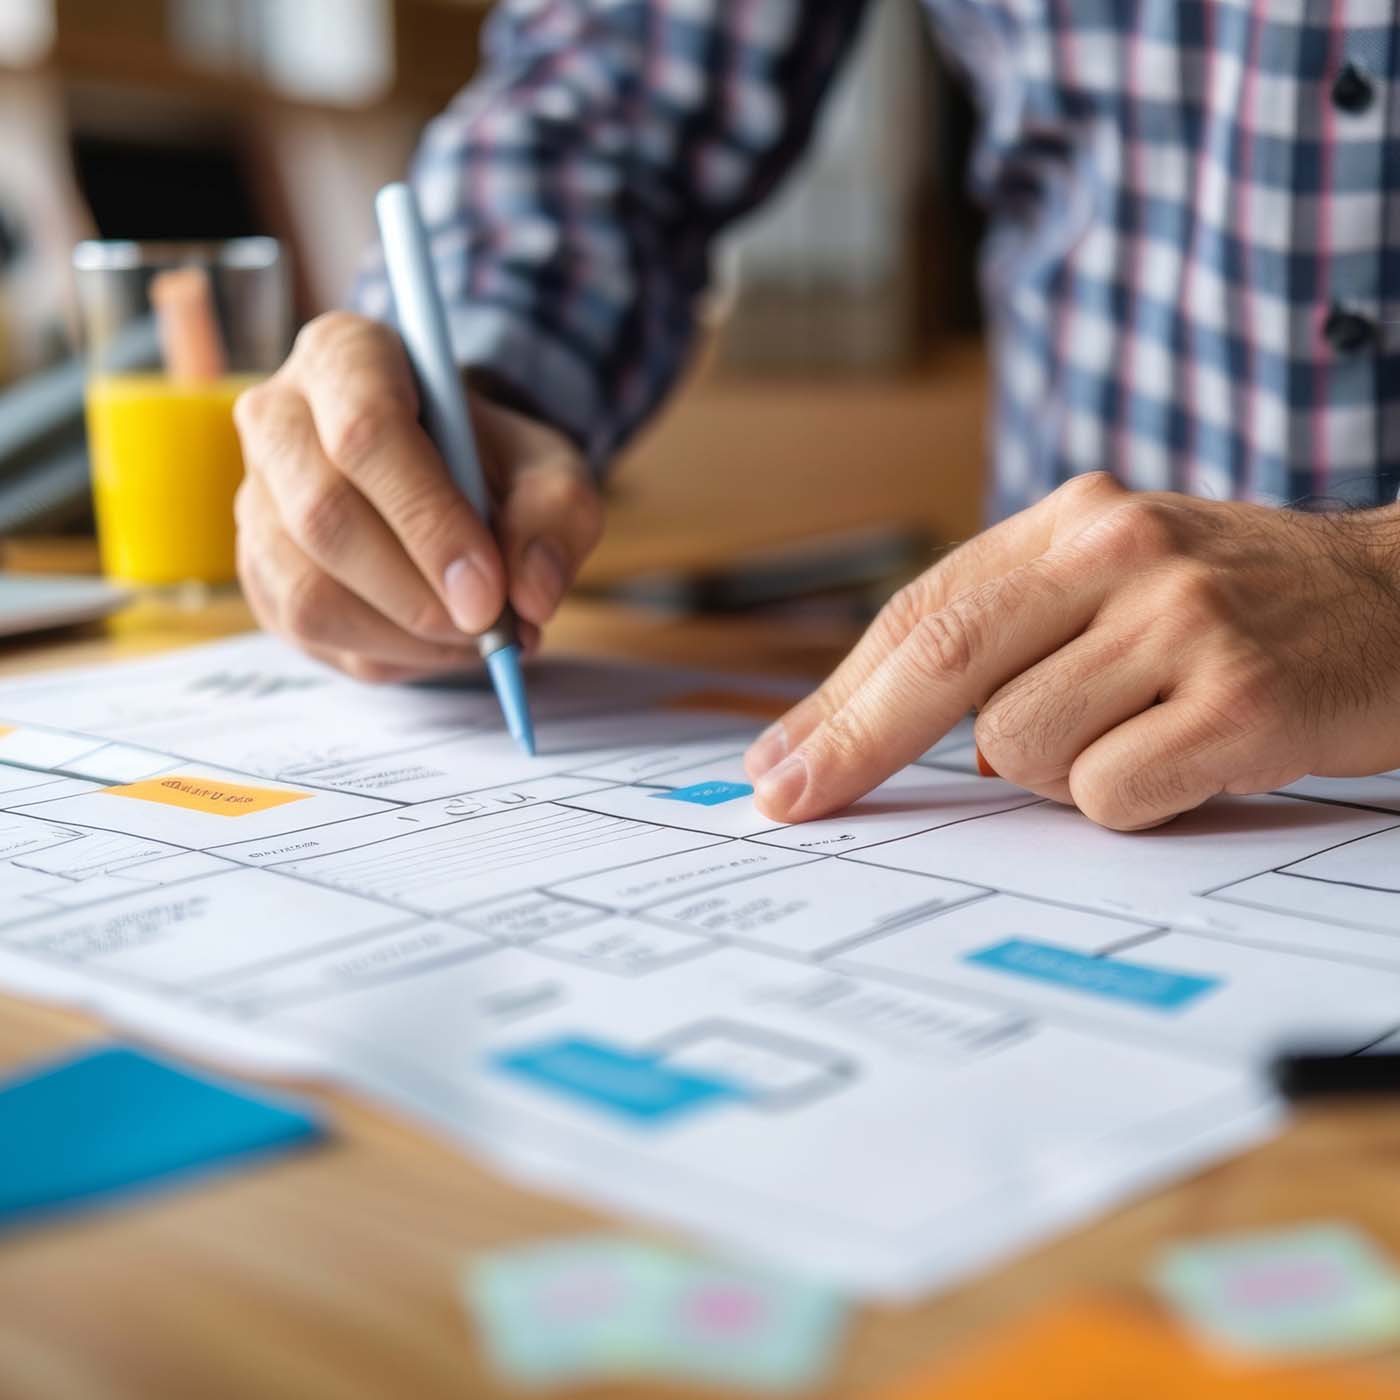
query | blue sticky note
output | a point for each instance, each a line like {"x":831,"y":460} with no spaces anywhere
{"x":639,"y":1087}
{"x":116,"y":1119}
{"x":1112,"y":978}
{"x":707,"y":794}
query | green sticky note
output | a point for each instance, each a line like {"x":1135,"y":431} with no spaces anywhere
{"x":568,"y":1310}
{"x":739,"y":1327}
{"x":597,"y":1308}
{"x":1310,"y":1289}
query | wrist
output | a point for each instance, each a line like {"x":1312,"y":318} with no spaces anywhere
{"x":1366,"y":545}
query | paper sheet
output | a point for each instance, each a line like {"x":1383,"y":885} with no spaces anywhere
{"x":889,"y":1047}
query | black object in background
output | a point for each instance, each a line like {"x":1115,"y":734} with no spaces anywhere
{"x":181,"y":191}
{"x":1310,"y":1075}
{"x":11,"y":242}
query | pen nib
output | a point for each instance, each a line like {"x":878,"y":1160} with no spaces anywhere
{"x":504,"y":667}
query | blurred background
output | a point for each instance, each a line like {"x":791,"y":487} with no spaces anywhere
{"x":840,"y":392}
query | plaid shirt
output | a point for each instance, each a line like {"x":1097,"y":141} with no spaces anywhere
{"x":1193,"y":271}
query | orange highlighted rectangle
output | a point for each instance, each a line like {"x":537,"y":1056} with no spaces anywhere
{"x":1092,"y":1350}
{"x":211,"y":795}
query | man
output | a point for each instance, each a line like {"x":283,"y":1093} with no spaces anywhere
{"x":1193,"y":279}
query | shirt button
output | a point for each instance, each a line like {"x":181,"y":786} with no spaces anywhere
{"x":1348,"y":331}
{"x":1352,"y":90}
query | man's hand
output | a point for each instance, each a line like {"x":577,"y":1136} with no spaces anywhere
{"x":352,"y":540}
{"x":1133,"y":655}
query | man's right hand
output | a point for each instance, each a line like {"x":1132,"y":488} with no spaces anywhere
{"x":353,"y":541}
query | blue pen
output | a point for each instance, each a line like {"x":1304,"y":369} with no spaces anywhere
{"x":423,"y":326}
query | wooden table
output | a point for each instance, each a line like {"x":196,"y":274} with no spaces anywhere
{"x":332,"y":1275}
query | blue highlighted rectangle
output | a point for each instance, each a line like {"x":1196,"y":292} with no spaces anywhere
{"x":641,"y":1088}
{"x":707,"y":794}
{"x":1112,"y":978}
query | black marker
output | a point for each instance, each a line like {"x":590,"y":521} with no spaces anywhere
{"x":1317,"y":1075}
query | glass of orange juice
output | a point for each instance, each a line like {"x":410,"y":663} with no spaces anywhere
{"x":174,"y":333}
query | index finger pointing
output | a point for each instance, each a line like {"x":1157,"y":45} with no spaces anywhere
{"x":952,"y":659}
{"x":988,"y":556}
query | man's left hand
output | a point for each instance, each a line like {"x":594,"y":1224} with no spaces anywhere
{"x":1131,"y":654}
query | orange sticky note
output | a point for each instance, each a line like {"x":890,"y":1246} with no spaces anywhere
{"x":212,"y":795}
{"x":1092,"y":1350}
{"x":985,"y":768}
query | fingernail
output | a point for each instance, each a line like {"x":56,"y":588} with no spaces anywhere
{"x":546,"y":572}
{"x":780,"y":787}
{"x":468,"y":594}
{"x":766,"y":750}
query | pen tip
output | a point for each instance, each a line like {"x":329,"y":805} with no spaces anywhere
{"x":509,"y":682}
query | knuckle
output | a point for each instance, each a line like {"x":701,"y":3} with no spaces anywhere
{"x":844,"y":737}
{"x":1142,"y":528}
{"x":999,"y":745}
{"x":1131,"y":796}
{"x":250,"y":406}
{"x":1105,"y":802}
{"x":1001,"y":738}
{"x":341,"y":352}
{"x":1023,"y":731}
{"x":1040,"y":580}
{"x":993,"y":730}
{"x":362,"y":428}
{"x":431,"y":524}
{"x":899,"y":616}
{"x":1097,"y":801}
{"x":1145,"y":793}
{"x":944,"y":643}
{"x":906,"y":606}
{"x":1090,"y":486}
{"x":1190,"y":593}
{"x":266,"y":418}
{"x":330,"y":328}
{"x":322,"y":518}
{"x":307,"y":606}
